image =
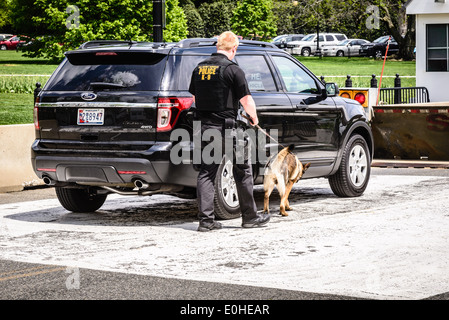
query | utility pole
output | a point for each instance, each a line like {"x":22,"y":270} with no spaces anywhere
{"x":158,"y":20}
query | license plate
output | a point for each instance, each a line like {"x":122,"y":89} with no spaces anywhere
{"x":90,"y":116}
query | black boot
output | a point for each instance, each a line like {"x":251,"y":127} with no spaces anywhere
{"x":210,"y":226}
{"x":258,"y":221}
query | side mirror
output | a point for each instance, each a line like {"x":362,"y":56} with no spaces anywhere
{"x":332,"y":89}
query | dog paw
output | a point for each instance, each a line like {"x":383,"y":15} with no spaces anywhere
{"x":284,"y":214}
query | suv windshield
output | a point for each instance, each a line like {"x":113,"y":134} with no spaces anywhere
{"x":308,"y":38}
{"x":381,"y":39}
{"x":109,"y":70}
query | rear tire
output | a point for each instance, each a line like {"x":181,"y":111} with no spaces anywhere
{"x":79,"y":200}
{"x":352,"y":177}
{"x":226,"y":201}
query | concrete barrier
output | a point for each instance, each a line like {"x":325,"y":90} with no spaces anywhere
{"x":16,"y":171}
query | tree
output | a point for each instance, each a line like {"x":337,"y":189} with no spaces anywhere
{"x":254,"y":18}
{"x":176,"y":28}
{"x":216,"y":16}
{"x":195,"y":23}
{"x":69,"y":23}
{"x":399,"y":25}
{"x":4,"y":13}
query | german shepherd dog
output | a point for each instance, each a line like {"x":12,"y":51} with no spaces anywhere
{"x":282,"y":171}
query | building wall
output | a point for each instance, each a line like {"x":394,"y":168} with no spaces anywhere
{"x":436,"y":82}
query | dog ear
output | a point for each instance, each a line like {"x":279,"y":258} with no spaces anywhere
{"x":306,"y":166}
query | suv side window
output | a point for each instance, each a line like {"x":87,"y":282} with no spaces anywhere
{"x":329,"y":38}
{"x":257,"y":72}
{"x":182,"y":71}
{"x":295,"y":79}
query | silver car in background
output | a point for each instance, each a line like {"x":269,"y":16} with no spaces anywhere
{"x":345,"y":48}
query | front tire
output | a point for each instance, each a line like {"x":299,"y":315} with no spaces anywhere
{"x":353,"y":175}
{"x":305,"y":52}
{"x":79,"y":200}
{"x":226,"y":199}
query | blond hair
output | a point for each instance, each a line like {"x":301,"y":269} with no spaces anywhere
{"x":227,"y":40}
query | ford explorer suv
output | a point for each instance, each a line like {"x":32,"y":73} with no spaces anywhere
{"x":105,"y":122}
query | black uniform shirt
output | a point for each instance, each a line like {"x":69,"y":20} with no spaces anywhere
{"x":235,"y":78}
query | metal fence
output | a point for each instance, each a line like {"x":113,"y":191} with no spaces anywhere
{"x":404,"y":95}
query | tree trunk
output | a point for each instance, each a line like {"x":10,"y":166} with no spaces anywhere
{"x":402,"y":30}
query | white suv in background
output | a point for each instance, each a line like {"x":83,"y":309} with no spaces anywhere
{"x":308,"y":45}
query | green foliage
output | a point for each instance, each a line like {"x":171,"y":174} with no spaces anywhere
{"x":216,"y":16}
{"x":195,"y":23}
{"x":254,"y":17}
{"x":108,"y":20}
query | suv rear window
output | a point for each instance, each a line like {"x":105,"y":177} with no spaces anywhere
{"x":136,"y":71}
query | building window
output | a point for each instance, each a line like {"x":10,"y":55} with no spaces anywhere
{"x":437,"y":47}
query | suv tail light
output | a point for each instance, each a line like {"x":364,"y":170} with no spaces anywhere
{"x":168,"y":111}
{"x":36,"y":114}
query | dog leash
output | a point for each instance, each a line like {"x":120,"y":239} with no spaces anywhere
{"x":263,"y":131}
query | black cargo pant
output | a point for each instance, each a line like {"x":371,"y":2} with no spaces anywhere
{"x":206,"y":183}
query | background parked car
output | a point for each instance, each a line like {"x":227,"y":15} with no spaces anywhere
{"x":11,"y":43}
{"x":4,"y":36}
{"x":283,"y":40}
{"x":348,"y":47}
{"x":308,"y":45}
{"x":378,"y":47}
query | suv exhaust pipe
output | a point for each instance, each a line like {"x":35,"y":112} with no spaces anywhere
{"x":49,"y":181}
{"x":141,"y":185}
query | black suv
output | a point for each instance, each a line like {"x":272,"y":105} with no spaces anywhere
{"x":105,"y":117}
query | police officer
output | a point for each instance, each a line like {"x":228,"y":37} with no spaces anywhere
{"x":218,"y":85}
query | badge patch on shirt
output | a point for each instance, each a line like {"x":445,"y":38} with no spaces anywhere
{"x":206,"y":72}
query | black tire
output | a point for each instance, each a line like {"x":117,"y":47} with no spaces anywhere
{"x":79,"y":200}
{"x":305,"y":52}
{"x":352,"y":177}
{"x":226,"y":200}
{"x":340,"y":53}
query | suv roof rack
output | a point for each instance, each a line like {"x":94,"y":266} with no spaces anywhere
{"x":99,"y":43}
{"x":199,"y":42}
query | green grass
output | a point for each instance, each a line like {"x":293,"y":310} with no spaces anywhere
{"x":329,"y":67}
{"x":16,"y":108}
{"x":13,"y":62}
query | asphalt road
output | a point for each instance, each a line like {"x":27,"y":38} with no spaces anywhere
{"x":389,"y":244}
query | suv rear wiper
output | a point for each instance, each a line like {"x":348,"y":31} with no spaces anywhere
{"x":106,"y":85}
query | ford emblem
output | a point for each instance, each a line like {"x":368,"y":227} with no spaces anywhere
{"x":89,"y":96}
